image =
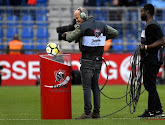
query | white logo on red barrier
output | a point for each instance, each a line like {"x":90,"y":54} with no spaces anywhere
{"x":124,"y":69}
{"x":112,"y":71}
{"x":61,"y":84}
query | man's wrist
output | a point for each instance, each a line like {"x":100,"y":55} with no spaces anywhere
{"x":145,"y":47}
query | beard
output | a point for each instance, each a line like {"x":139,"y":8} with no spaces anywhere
{"x":144,"y":17}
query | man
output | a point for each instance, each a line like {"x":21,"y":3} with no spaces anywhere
{"x":152,"y":58}
{"x":91,"y":35}
{"x":15,"y":46}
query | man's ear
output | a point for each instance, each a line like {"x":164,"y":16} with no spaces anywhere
{"x":147,"y":11}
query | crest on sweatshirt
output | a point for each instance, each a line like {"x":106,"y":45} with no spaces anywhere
{"x":97,"y":32}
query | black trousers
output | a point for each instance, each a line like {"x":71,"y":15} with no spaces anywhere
{"x":150,"y":72}
{"x":90,"y":71}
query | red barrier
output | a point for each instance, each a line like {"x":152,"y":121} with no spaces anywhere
{"x":22,"y":69}
{"x":55,"y":78}
{"x":19,"y":70}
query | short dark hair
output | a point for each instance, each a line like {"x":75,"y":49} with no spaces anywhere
{"x":15,"y":37}
{"x":150,"y":8}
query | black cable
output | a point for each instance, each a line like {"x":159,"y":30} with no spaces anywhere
{"x":115,"y":111}
{"x":133,"y":86}
{"x":134,"y":82}
{"x":107,"y":75}
{"x":106,"y":83}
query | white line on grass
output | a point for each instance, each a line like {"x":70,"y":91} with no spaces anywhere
{"x":52,"y":119}
{"x":17,"y":119}
{"x":125,"y":118}
{"x":61,"y":119}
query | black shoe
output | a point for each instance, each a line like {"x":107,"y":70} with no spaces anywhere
{"x":146,"y":114}
{"x":95,"y":115}
{"x":159,"y":113}
{"x":85,"y":116}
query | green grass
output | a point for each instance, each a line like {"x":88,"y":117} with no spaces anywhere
{"x":21,"y":106}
